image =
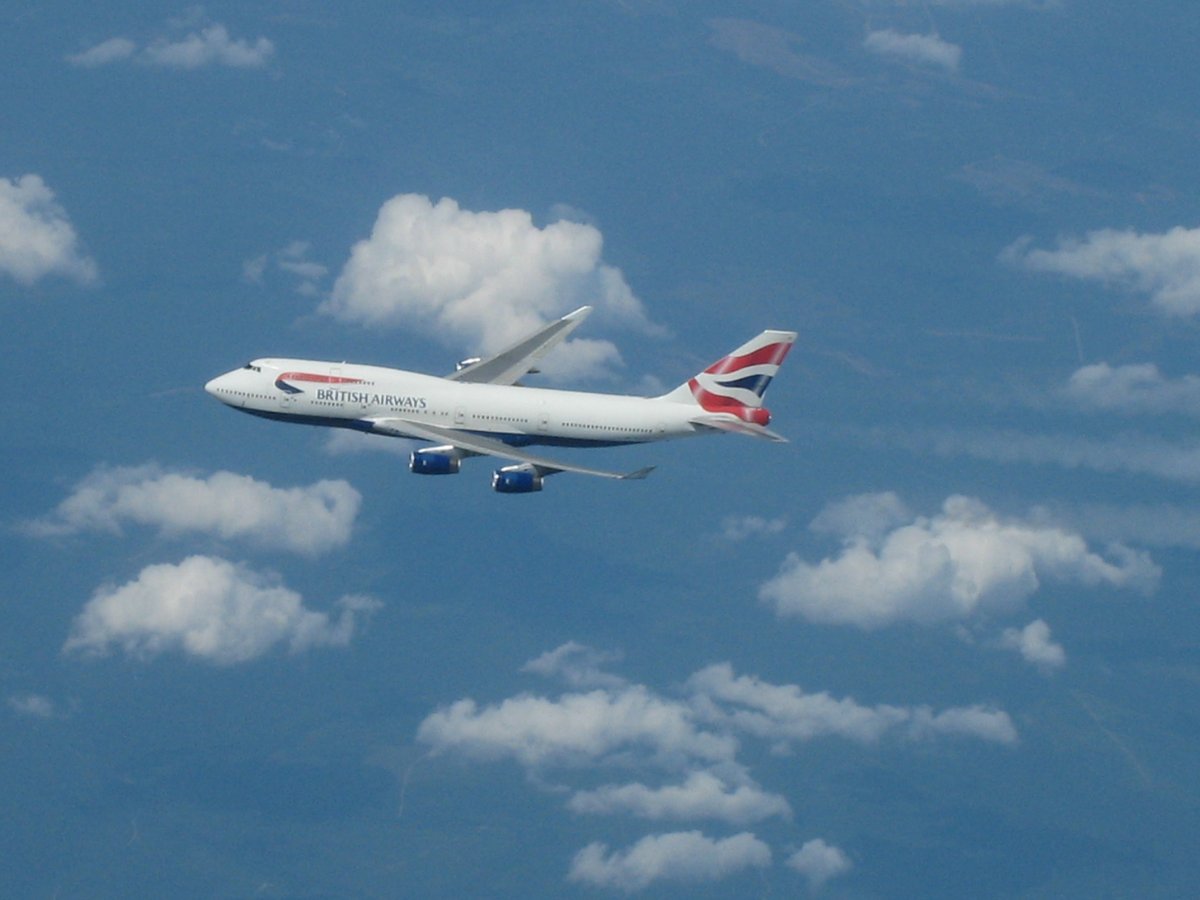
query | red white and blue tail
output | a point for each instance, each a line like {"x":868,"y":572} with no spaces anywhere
{"x":730,"y":392}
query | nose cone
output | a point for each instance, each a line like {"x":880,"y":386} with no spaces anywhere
{"x":219,"y":387}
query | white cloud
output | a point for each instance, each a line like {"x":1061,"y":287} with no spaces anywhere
{"x":964,"y":561}
{"x":578,"y":665}
{"x":308,"y":520}
{"x":868,"y":516}
{"x":818,"y":862}
{"x":702,"y":795}
{"x":294,"y":261}
{"x":740,"y":528}
{"x":926,"y":49}
{"x":785,"y":713}
{"x":1035,"y":646}
{"x":1133,"y":389}
{"x":687,"y":856}
{"x":1165,"y":266}
{"x":110,"y":51}
{"x":209,"y":46}
{"x":210,"y":609}
{"x":576,"y":729}
{"x":486,"y":278}
{"x":696,"y":736}
{"x":36,"y":237}
{"x":34,"y":705}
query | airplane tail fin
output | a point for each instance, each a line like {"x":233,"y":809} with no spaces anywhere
{"x":732,"y":388}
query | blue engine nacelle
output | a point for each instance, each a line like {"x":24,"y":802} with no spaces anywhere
{"x":433,"y":462}
{"x":516,"y":480}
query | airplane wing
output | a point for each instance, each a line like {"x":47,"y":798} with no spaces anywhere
{"x":519,"y":359}
{"x":473,"y":443}
{"x":729,"y":423}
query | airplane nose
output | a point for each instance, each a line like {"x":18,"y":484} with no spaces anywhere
{"x":216,"y":386}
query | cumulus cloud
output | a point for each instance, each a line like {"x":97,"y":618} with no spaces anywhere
{"x":686,"y":856}
{"x":36,"y":237}
{"x":576,"y":729}
{"x":783,"y":713}
{"x":964,"y":561}
{"x":1133,"y":389}
{"x":702,"y":795}
{"x":741,"y":528}
{"x":210,"y":609}
{"x":694,"y":736}
{"x":1035,"y":646}
{"x":925,"y":49}
{"x":307,"y":520}
{"x":1165,"y":266}
{"x":484,"y":277}
{"x":211,"y":45}
{"x":818,"y":862}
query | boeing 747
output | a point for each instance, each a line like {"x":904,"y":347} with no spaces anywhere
{"x":481,"y":409}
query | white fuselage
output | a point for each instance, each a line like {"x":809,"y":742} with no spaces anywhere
{"x":352,"y":396}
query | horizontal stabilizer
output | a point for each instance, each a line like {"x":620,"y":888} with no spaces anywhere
{"x":726,"y":422}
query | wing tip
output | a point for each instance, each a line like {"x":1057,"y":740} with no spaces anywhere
{"x":638,"y":475}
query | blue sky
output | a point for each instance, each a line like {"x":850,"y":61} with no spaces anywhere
{"x":943,"y":643}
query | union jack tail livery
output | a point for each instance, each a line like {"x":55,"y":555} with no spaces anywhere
{"x":729,"y":393}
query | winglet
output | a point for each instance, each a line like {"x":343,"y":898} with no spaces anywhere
{"x":638,"y":475}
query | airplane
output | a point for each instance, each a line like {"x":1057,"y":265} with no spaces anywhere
{"x":482,"y":409}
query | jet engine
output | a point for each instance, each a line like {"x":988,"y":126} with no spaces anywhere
{"x":524,"y":479}
{"x":435,"y":461}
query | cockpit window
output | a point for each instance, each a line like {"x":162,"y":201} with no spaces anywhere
{"x":252,"y":367}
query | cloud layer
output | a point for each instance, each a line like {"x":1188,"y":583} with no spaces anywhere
{"x":307,"y":520}
{"x":207,"y":608}
{"x":961,"y":562}
{"x":36,"y":237}
{"x":484,"y":277}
